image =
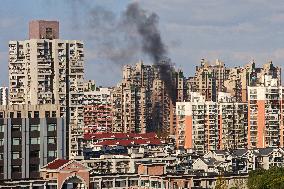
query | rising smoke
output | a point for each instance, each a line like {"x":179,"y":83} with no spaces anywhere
{"x":147,"y":28}
{"x":126,"y":37}
{"x":152,"y":45}
{"x":121,"y":38}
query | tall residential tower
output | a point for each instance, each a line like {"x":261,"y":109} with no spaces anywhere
{"x":48,"y":70}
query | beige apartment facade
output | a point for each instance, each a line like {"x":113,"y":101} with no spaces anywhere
{"x":48,"y":70}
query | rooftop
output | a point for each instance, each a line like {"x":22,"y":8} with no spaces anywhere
{"x":56,"y":164}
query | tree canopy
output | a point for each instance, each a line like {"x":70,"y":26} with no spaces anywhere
{"x":266,"y":179}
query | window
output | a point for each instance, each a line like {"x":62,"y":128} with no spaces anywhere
{"x":11,"y":114}
{"x":35,"y":154}
{"x":47,"y":113}
{"x":16,"y":168}
{"x":16,"y":141}
{"x":2,"y":142}
{"x":51,"y":127}
{"x":29,"y":114}
{"x":16,"y":155}
{"x":35,"y":140}
{"x":34,"y":168}
{"x":36,"y":114}
{"x":49,"y":33}
{"x":2,"y":128}
{"x":16,"y":127}
{"x":53,"y":113}
{"x":52,"y":153}
{"x":1,"y":156}
{"x":35,"y":127}
{"x":51,"y":140}
{"x":19,"y":115}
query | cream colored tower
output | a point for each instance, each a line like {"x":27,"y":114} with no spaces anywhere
{"x":49,"y":71}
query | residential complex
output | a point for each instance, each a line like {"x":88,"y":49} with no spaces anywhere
{"x":250,"y":75}
{"x":204,"y":125}
{"x":48,"y":70}
{"x":156,"y":128}
{"x":210,"y":79}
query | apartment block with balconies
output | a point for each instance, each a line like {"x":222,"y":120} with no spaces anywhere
{"x":97,"y":110}
{"x":265,"y":118}
{"x":48,"y":70}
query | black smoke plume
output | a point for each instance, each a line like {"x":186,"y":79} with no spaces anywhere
{"x":152,"y":44}
{"x":126,"y":37}
{"x":147,"y":28}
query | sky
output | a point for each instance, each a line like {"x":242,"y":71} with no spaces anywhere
{"x":235,"y":32}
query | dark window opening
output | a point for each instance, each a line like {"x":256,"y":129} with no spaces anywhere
{"x":36,"y":114}
{"x":47,"y":113}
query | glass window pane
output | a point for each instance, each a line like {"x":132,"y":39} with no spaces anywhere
{"x":35,"y":127}
{"x":16,"y":141}
{"x":51,"y":127}
{"x":35,"y":140}
{"x":51,"y":140}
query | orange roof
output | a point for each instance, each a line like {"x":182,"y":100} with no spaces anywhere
{"x":56,"y":163}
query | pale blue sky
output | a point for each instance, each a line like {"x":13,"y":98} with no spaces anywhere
{"x":233,"y":31}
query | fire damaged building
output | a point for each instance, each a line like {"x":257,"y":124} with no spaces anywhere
{"x":144,"y":101}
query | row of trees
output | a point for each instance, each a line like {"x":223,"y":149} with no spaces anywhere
{"x":272,"y":178}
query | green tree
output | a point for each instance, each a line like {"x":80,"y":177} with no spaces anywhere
{"x":239,"y":184}
{"x":221,"y":183}
{"x":272,"y":178}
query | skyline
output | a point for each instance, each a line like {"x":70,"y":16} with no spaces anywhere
{"x":141,"y":94}
{"x":229,"y":32}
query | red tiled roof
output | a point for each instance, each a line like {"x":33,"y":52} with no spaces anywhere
{"x":129,"y":142}
{"x":56,"y":163}
{"x":89,"y":136}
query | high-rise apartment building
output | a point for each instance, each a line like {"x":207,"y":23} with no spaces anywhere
{"x":97,"y":110}
{"x":48,"y":70}
{"x":209,"y":79}
{"x":181,"y":87}
{"x":117,"y":113}
{"x":143,"y":102}
{"x":227,"y":124}
{"x":191,"y":120}
{"x":265,"y":116}
{"x":232,"y":124}
{"x":132,"y":99}
{"x":4,"y":95}
{"x":241,"y":77}
{"x":30,"y":137}
{"x":205,"y":125}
